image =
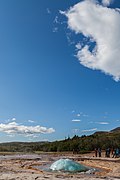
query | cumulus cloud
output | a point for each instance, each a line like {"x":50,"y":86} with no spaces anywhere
{"x":89,"y":130}
{"x":101,"y":26}
{"x":106,"y":2}
{"x":15,"y":128}
{"x":76,"y":120}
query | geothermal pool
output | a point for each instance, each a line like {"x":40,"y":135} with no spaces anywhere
{"x":66,"y":165}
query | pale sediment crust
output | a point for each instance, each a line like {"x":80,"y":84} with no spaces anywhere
{"x":24,"y":169}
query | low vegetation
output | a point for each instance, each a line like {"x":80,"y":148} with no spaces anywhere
{"x":76,"y":144}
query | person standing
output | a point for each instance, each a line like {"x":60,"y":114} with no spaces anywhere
{"x":99,"y":152}
{"x":95,"y":152}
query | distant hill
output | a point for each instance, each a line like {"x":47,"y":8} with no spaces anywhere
{"x":100,"y":132}
{"x":21,"y":146}
{"x":116,"y":129}
{"x":102,"y":139}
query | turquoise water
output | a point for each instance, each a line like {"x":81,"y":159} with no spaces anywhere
{"x":68,"y":165}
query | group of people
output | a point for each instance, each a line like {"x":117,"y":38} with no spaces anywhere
{"x":98,"y":152}
{"x":108,"y":152}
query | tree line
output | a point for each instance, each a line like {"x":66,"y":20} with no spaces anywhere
{"x":75,"y":144}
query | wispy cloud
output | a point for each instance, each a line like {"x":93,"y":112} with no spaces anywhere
{"x":85,"y":115}
{"x":31,"y":121}
{"x":89,"y":130}
{"x":103,"y":123}
{"x":48,"y":11}
{"x":75,"y":130}
{"x":78,"y":115}
{"x":76,"y":120}
{"x":56,"y":20}
{"x":69,"y":39}
{"x":15,"y":128}
{"x":78,"y":46}
{"x":55,"y":29}
{"x":117,"y":120}
{"x":13,"y":119}
{"x":101,"y":26}
{"x":105,"y":117}
{"x":91,"y":122}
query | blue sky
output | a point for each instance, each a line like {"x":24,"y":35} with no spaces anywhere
{"x":48,"y":89}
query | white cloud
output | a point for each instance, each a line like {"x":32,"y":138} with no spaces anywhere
{"x":78,"y":115}
{"x":15,"y":128}
{"x":9,"y":120}
{"x":78,"y":46}
{"x":103,"y":123}
{"x":69,"y":39}
{"x":75,"y":130}
{"x":55,"y":29}
{"x":89,"y":130}
{"x":31,"y":121}
{"x":101,"y":25}
{"x":106,"y":2}
{"x":76,"y":120}
{"x":13,"y":119}
{"x":85,"y":115}
{"x":56,"y":20}
{"x":48,"y":11}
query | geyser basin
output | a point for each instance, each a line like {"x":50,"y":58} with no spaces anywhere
{"x":68,"y":165}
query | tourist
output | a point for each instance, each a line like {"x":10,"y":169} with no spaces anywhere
{"x":116,"y":153}
{"x":107,"y":154}
{"x":99,"y":152}
{"x":95,"y":152}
